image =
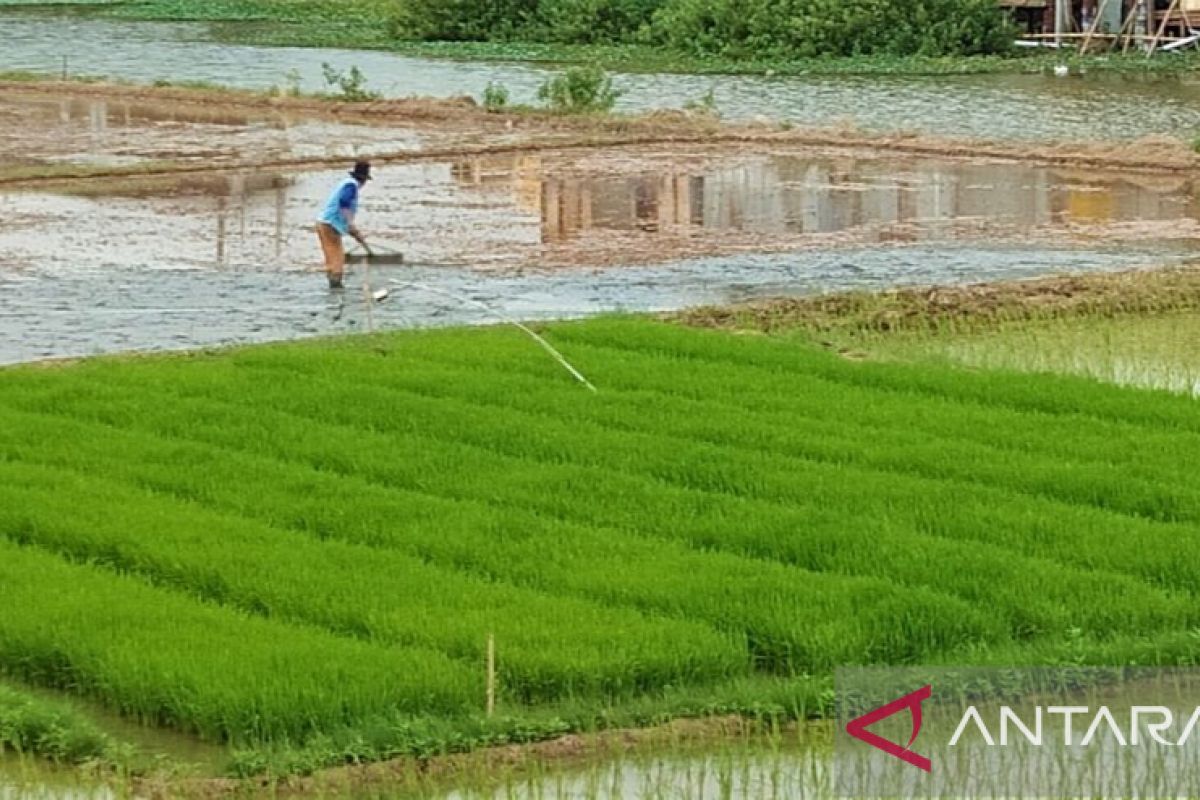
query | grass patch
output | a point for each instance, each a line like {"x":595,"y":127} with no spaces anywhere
{"x":311,"y":542}
{"x":1128,"y":328}
{"x":35,"y":726}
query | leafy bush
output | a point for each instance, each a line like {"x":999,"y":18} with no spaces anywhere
{"x":596,"y":21}
{"x":464,"y":20}
{"x":495,"y":97}
{"x":814,"y":28}
{"x":579,"y":90}
{"x":568,"y":21}
{"x":350,"y":86}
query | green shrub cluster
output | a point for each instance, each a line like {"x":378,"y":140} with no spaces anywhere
{"x":815,"y":28}
{"x":736,"y":28}
{"x":579,"y":90}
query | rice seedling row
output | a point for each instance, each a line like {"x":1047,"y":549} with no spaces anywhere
{"x":792,"y":619}
{"x":382,"y":596}
{"x":829,"y":541}
{"x":361,"y":514}
{"x":213,"y":671}
{"x":805,"y":514}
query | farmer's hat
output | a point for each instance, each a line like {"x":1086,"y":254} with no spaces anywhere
{"x":361,"y":171}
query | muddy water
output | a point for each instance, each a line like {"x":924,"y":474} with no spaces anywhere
{"x":29,"y":779}
{"x":788,"y":773}
{"x":1008,"y":106}
{"x":118,"y":132}
{"x":215,"y":259}
{"x":736,"y":770}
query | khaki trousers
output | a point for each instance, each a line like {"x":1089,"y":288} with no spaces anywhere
{"x":332,"y":248}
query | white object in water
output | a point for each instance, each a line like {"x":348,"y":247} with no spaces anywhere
{"x":1062,"y":70}
{"x":380,"y":295}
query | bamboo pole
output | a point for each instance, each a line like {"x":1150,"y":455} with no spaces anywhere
{"x":1135,"y":36}
{"x":1087,"y":40}
{"x":1126,"y":29}
{"x":1162,"y":28}
{"x":491,"y":674}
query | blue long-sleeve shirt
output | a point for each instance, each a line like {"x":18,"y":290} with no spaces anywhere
{"x":344,"y":198}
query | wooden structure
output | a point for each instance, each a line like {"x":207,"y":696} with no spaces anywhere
{"x":1148,"y":24}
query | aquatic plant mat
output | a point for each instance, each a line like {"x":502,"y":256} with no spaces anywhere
{"x":300,"y":550}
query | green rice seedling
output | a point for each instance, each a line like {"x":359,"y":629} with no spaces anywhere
{"x":800,"y":525}
{"x":793,"y":619}
{"x":221,"y":674}
{"x":724,"y":509}
{"x":801,"y":408}
{"x":385,"y":597}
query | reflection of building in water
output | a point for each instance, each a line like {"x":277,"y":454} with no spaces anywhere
{"x":880,"y":199}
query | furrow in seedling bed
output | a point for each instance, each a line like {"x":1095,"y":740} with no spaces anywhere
{"x":1051,"y":394}
{"x":891,"y":448}
{"x":793,"y":620}
{"x":815,"y":538}
{"x":382,"y":596}
{"x":209,"y":670}
{"x":806,"y":504}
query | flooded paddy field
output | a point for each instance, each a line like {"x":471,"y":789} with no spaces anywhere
{"x":1023,"y":107}
{"x":217,"y":257}
{"x":53,"y":129}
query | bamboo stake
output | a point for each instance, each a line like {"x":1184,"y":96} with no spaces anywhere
{"x":491,"y":674}
{"x":1162,"y":28}
{"x":1087,"y":40}
{"x":1126,"y":28}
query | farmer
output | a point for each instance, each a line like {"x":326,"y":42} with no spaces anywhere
{"x":337,"y":220}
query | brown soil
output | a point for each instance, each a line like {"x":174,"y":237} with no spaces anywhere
{"x":1140,"y":291}
{"x":565,"y":751}
{"x":484,"y":132}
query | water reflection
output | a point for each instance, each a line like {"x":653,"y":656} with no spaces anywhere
{"x":118,"y":131}
{"x":515,"y":212}
{"x":885,"y":200}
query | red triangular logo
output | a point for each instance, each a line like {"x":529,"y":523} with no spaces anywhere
{"x":858,"y":727}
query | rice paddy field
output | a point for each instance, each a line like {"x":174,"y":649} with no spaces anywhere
{"x":297,"y":553}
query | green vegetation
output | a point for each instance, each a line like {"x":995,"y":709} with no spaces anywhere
{"x":350,"y":86}
{"x":34,"y":726}
{"x":579,"y":90}
{"x":577,"y":33}
{"x":495,"y":97}
{"x":1151,"y":351}
{"x":735,"y":28}
{"x":305,"y":546}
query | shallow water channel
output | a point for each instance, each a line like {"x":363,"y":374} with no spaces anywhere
{"x":1101,"y":106}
